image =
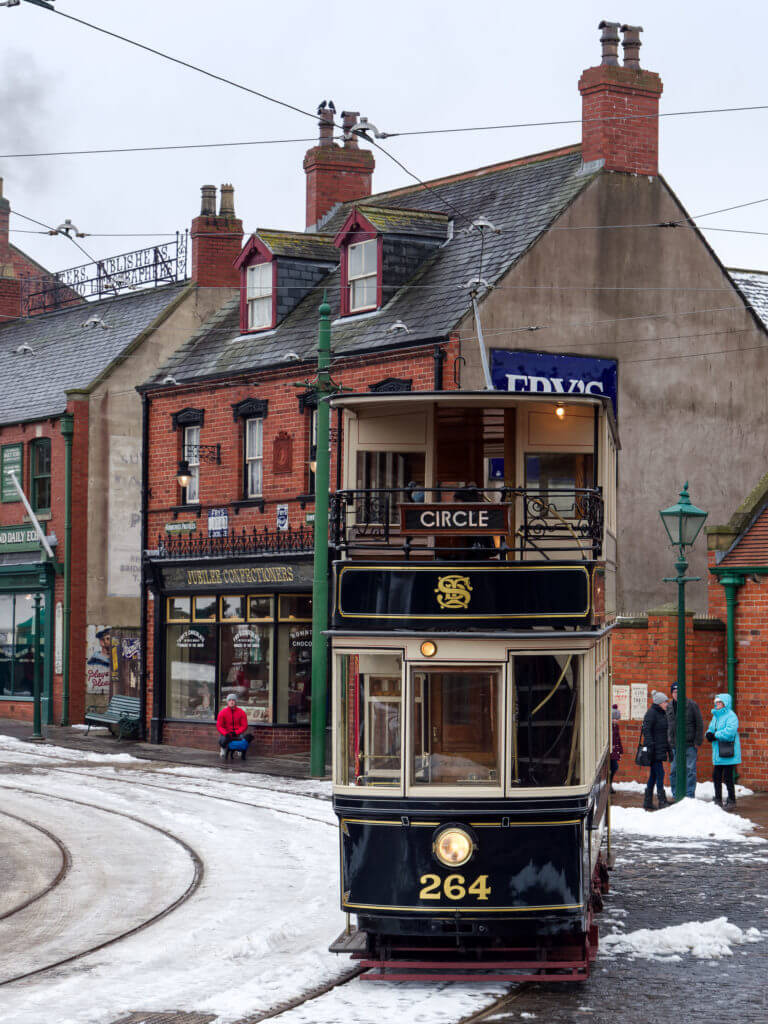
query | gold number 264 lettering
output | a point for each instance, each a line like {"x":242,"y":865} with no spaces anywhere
{"x":454,"y":887}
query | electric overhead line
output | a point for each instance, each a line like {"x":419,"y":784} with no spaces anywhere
{"x":180,"y":62}
{"x":157,"y":149}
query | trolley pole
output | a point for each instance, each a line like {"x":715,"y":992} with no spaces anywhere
{"x":36,"y":711}
{"x":320,"y":576}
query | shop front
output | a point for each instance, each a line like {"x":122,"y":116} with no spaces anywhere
{"x":23,"y":647}
{"x":242,"y":628}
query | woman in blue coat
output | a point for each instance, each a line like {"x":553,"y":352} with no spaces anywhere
{"x":724,"y":728}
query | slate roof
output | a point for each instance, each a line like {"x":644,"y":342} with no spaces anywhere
{"x":65,"y":355}
{"x":406,"y":222}
{"x":300,"y":245}
{"x":753,"y":284}
{"x":522,"y":198}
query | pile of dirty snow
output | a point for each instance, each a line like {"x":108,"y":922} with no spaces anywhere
{"x":706,"y":940}
{"x":688,"y":819}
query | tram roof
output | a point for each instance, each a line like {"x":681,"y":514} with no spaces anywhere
{"x":463,"y":399}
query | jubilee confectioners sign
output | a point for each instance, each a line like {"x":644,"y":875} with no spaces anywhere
{"x":11,"y":461}
{"x":441,"y":595}
{"x":547,"y":374}
{"x":243,"y":577}
{"x":451,"y":520}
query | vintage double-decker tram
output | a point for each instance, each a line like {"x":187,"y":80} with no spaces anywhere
{"x":474,"y":588}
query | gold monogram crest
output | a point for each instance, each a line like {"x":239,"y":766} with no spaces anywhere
{"x":453,"y":591}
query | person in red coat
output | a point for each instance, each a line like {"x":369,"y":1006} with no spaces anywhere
{"x":231,"y":723}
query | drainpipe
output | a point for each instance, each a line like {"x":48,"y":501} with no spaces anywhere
{"x":438,"y":355}
{"x":143,"y":574}
{"x":67,"y":423}
{"x":731,"y":582}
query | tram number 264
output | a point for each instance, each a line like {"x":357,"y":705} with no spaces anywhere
{"x":454,"y":887}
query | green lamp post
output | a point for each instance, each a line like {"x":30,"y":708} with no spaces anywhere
{"x":36,"y":683}
{"x":682,"y":521}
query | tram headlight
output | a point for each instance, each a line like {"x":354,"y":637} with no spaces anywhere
{"x":453,"y":847}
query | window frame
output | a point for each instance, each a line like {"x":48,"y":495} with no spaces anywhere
{"x":36,"y":445}
{"x":353,"y":238}
{"x":371,"y":243}
{"x":249,"y":459}
{"x":193,"y":461}
{"x":265,"y":268}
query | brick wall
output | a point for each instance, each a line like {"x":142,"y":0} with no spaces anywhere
{"x":216,"y":244}
{"x":275,"y":739}
{"x":618,"y":122}
{"x":645,"y":651}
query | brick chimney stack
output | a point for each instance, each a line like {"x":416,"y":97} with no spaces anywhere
{"x":620,"y":106}
{"x":216,"y":240}
{"x":10,"y":285}
{"x":335,"y":174}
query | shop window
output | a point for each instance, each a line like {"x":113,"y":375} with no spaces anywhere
{"x":254,"y":456}
{"x":190,"y":671}
{"x":191,"y":453}
{"x":295,"y":608}
{"x":545,"y":733}
{"x":260,"y":608}
{"x":246,"y":668}
{"x":40,"y":474}
{"x":233,"y":608}
{"x":369,"y":726}
{"x":17,"y":644}
{"x":456,"y":735}
{"x":362,"y":275}
{"x":178,"y":609}
{"x":204,"y":608}
{"x":381,"y":472}
{"x":556,"y":476}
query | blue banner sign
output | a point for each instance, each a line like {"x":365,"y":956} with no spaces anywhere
{"x":547,"y":373}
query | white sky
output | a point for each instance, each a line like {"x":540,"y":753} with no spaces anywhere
{"x":405,"y":65}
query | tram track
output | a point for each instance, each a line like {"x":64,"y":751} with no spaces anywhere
{"x":198,"y":875}
{"x":66,"y":864}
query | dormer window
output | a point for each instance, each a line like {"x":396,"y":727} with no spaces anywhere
{"x":259,"y":296}
{"x":362,"y":275}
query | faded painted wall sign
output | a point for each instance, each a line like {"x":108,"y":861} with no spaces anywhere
{"x":124,"y":500}
{"x":555,"y":374}
{"x":98,"y":659}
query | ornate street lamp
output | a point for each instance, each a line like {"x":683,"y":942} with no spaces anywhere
{"x":683,"y":522}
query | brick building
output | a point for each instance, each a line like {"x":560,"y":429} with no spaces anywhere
{"x":73,"y":346}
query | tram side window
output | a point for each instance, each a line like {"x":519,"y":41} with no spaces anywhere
{"x":456,"y":735}
{"x":369,"y":718}
{"x":545,"y":728}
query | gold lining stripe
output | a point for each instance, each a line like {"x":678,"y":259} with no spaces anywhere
{"x":518,"y":824}
{"x":473,"y":824}
{"x":468,"y":910}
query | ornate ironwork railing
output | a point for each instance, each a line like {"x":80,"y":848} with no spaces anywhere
{"x":544,"y":522}
{"x":244,"y":542}
{"x":142,"y":268}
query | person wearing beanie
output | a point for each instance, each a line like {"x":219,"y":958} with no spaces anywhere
{"x":231,"y":724}
{"x":616,"y":746}
{"x":694,"y":737}
{"x":655,"y":738}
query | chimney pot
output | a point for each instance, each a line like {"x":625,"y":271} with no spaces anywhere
{"x":208,"y":201}
{"x":326,"y":110}
{"x":631,"y":44}
{"x":349,"y":119}
{"x":335,"y":174}
{"x":610,"y":42}
{"x":227,"y":207}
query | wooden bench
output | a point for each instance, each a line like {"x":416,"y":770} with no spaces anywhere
{"x":121,"y":717}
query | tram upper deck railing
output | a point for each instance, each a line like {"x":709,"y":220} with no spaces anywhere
{"x":483,"y":523}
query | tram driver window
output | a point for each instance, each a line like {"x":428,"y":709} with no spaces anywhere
{"x":456,"y":731}
{"x":557,"y":478}
{"x":545,"y":726}
{"x":369,"y":725}
{"x":382,"y":472}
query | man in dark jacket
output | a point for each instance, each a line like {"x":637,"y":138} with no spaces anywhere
{"x":656,"y":740}
{"x":694,"y":737}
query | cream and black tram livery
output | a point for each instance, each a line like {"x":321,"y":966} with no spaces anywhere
{"x":473,"y":592}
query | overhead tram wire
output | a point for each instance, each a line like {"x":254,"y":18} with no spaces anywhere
{"x":157,"y":149}
{"x":182,"y":63}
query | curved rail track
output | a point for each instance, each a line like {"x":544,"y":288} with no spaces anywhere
{"x":66,"y":864}
{"x":197,"y":878}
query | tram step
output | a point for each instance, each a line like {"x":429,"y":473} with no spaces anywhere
{"x":352,"y":941}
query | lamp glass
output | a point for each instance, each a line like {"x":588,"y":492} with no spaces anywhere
{"x":428,"y":649}
{"x":183,"y":476}
{"x":683,"y":520}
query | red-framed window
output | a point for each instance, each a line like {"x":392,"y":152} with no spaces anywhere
{"x":258,"y":287}
{"x":361,"y":261}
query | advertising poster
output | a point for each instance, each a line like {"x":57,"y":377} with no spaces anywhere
{"x":98,"y":659}
{"x":639,"y":700}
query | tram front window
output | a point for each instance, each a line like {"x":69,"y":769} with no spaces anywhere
{"x":369,"y":688}
{"x":545,"y":737}
{"x":455,"y":716}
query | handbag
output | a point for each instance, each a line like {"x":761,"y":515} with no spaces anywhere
{"x":643,"y":754}
{"x":726,"y":748}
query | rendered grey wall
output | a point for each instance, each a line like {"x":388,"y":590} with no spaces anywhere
{"x":693,"y":402}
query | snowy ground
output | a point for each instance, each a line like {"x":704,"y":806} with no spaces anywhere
{"x":255,"y":930}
